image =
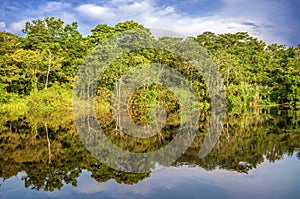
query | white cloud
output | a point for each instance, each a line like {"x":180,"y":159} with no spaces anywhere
{"x":266,"y":15}
{"x":169,"y":9}
{"x":152,"y":15}
{"x":137,"y":8}
{"x":95,"y":12}
{"x":53,"y":6}
{"x":16,"y":27}
{"x":2,"y":25}
{"x":233,"y":16}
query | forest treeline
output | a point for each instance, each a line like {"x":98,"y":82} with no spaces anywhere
{"x":38,"y":69}
{"x":37,"y":76}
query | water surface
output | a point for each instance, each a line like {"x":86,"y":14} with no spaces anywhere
{"x":257,"y":156}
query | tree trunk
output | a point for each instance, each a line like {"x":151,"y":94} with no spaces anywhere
{"x":49,"y":68}
{"x":118,"y":111}
{"x":49,"y":145}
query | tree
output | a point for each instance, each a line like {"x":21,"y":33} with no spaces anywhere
{"x":62,"y":43}
{"x":8,"y":43}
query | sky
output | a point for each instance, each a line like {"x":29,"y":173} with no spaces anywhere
{"x":274,"y":21}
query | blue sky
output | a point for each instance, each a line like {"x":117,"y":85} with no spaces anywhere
{"x":274,"y":21}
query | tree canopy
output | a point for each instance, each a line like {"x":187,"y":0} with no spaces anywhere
{"x":254,"y":73}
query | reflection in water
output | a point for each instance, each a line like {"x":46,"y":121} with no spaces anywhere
{"x":43,"y":152}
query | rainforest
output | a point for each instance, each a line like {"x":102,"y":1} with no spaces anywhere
{"x":40,"y":147}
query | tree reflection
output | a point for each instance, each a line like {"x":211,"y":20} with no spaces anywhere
{"x":47,"y":149}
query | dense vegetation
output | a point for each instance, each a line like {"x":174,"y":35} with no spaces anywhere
{"x":38,"y":70}
{"x":38,"y":135}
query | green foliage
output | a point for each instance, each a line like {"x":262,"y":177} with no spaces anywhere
{"x":38,"y":135}
{"x":37,"y":75}
{"x":254,"y":74}
{"x":55,"y":98}
{"x":50,"y":54}
{"x":3,"y":94}
{"x":8,"y":42}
